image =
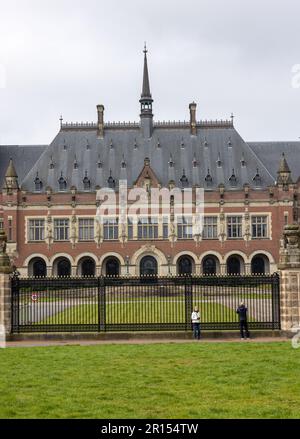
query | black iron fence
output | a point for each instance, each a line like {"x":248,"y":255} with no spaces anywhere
{"x":142,"y":303}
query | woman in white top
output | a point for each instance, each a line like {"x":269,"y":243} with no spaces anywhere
{"x":196,"y":323}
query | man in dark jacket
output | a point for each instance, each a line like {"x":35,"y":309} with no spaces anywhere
{"x":242,"y":312}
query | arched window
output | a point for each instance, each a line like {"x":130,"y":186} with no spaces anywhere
{"x":63,"y":267}
{"x":148,"y":266}
{"x":185,"y":265}
{"x":233,"y":265}
{"x":39,"y":268}
{"x":88,"y":267}
{"x":258,"y":265}
{"x":209,"y":265}
{"x":112,"y":267}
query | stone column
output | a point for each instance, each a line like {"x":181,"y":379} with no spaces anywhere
{"x":289,"y":266}
{"x":5,"y":286}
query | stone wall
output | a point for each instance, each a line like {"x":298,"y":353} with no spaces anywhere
{"x":5,"y":285}
{"x":289,"y":266}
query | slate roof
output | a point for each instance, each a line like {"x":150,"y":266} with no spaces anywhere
{"x":217,"y":151}
{"x":270,"y":154}
{"x":24,"y":157}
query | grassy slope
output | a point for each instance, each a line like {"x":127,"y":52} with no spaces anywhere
{"x":200,"y":380}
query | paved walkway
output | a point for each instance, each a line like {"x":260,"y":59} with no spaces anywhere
{"x":40,"y":343}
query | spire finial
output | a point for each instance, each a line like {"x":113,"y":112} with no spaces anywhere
{"x":145,"y":48}
{"x":146,"y":85}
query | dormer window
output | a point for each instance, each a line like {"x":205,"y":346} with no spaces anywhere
{"x":184,"y":180}
{"x":62,"y":183}
{"x":123,"y":164}
{"x":257,"y":179}
{"x":232,"y":179}
{"x":38,"y":183}
{"x":111,"y":182}
{"x":208,"y":179}
{"x":86,"y":182}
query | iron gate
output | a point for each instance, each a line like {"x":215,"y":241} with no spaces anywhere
{"x":142,"y":303}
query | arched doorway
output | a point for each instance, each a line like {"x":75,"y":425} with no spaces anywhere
{"x":185,"y":266}
{"x":259,"y":265}
{"x":148,"y":266}
{"x":63,"y":267}
{"x":88,"y":267}
{"x":112,"y":267}
{"x":209,"y":265}
{"x":37,"y":268}
{"x":233,"y":265}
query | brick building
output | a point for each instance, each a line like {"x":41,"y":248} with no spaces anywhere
{"x":48,"y":200}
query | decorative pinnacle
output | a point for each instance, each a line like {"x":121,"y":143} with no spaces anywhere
{"x":145,"y":48}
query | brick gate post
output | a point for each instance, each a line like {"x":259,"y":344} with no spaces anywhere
{"x":5,"y":287}
{"x":289,"y":266}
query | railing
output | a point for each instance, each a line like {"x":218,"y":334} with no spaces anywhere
{"x":143,"y":303}
{"x":157,"y":124}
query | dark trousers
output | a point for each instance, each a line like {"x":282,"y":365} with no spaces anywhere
{"x":196,"y":330}
{"x":244,"y":325}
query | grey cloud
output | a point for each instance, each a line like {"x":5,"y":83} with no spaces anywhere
{"x":67,"y":56}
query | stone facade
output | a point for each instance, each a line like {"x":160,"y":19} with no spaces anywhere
{"x":290,"y":279}
{"x":5,"y":286}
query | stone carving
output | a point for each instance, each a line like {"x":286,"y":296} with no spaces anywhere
{"x":290,"y":247}
{"x":5,"y":265}
{"x":3,"y":240}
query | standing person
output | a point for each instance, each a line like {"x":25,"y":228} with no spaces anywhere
{"x":242,"y":312}
{"x":196,"y":323}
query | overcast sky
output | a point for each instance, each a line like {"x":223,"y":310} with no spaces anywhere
{"x":66,"y":56}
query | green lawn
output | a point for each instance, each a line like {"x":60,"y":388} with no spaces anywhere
{"x":193,"y":380}
{"x":139,"y":312}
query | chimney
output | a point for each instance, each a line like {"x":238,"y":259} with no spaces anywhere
{"x":100,"y":111}
{"x":193,"y":126}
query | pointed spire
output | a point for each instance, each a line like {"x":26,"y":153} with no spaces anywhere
{"x":283,"y":165}
{"x":146,"y":84}
{"x":11,"y":171}
{"x":284,"y":172}
{"x":146,"y":102}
